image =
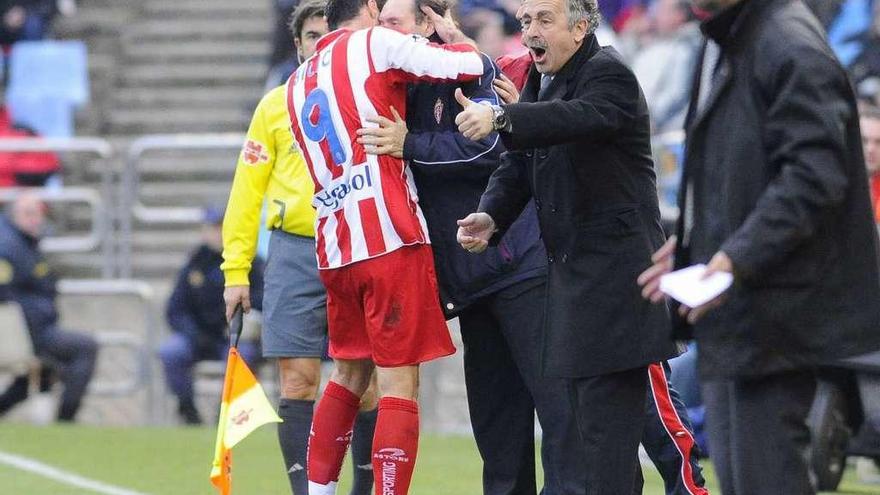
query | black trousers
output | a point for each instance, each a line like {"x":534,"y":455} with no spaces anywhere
{"x":73,"y":357}
{"x":502,"y":342}
{"x":758,"y":436}
{"x":610,"y":412}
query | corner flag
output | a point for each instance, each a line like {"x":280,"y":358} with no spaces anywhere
{"x":243,"y":409}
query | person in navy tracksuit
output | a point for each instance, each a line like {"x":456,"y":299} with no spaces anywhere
{"x":27,"y":279}
{"x":498,"y":297}
{"x":196,"y":315}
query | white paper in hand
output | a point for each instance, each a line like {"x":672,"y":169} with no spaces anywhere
{"x":687,"y":287}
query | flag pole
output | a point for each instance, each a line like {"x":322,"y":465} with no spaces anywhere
{"x":235,"y":327}
{"x":223,"y":456}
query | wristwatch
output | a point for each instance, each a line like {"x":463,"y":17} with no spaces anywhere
{"x":500,"y":120}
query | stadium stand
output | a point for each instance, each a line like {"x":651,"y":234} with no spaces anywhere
{"x":157,"y":66}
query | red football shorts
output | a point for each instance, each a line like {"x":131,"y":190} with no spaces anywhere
{"x":387,"y":309}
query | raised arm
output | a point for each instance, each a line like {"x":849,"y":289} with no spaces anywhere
{"x":603,"y":105}
{"x":413,"y":58}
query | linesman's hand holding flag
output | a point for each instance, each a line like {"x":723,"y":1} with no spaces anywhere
{"x":243,"y":409}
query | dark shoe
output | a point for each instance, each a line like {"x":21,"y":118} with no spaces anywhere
{"x":189,"y":414}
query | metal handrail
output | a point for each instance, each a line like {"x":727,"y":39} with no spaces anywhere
{"x":102,"y":224}
{"x":94,"y":145}
{"x":143,"y":348}
{"x":69,"y":243}
{"x":131,"y":205}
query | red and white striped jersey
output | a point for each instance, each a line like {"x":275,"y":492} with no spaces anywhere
{"x":367,"y":205}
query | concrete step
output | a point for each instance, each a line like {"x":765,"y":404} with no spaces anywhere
{"x":185,"y":193}
{"x":193,"y":28}
{"x":195,"y":98}
{"x":172,"y":171}
{"x":161,"y":264}
{"x":158,"y":265}
{"x":165,"y":240}
{"x":112,"y":19}
{"x":212,"y":167}
{"x":167,"y":120}
{"x":197,"y":51}
{"x":210,"y":9}
{"x":248,"y":74}
{"x":76,"y":265}
{"x":102,"y":4}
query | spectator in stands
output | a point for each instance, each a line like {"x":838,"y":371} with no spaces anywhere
{"x":283,"y":59}
{"x":486,"y":27}
{"x":196,"y":314}
{"x":865,"y":68}
{"x":846,"y":30}
{"x":24,"y":169}
{"x":665,"y":66}
{"x":499,"y":17}
{"x":870,"y":123}
{"x":25,"y":20}
{"x":282,"y":41}
{"x":25,"y":278}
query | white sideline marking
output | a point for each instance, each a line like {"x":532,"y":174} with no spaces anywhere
{"x":65,"y":477}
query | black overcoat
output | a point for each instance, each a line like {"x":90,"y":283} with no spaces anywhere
{"x":774,"y":161}
{"x":584,"y":154}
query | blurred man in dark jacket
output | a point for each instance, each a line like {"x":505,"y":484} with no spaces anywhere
{"x":26,"y":279}
{"x":774,"y":191}
{"x":196,"y":314}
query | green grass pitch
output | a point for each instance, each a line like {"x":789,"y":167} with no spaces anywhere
{"x":176,"y":461}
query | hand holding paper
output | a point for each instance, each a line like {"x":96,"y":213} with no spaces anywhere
{"x":700,"y":288}
{"x":688,"y":286}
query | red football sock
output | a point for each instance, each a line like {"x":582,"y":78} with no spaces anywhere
{"x":331,"y":433}
{"x":395,"y":445}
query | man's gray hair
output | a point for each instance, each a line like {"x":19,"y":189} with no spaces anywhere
{"x":584,"y":9}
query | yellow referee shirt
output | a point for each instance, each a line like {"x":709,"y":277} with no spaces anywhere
{"x":271,"y":167}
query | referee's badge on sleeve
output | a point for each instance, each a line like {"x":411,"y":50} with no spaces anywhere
{"x":254,"y":152}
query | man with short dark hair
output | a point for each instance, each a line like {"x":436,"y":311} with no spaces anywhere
{"x":308,"y":25}
{"x":579,"y":146}
{"x":25,"y":278}
{"x":294,"y":332}
{"x":195,"y":315}
{"x":774,"y":193}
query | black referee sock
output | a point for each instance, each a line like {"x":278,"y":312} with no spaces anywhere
{"x":293,"y":436}
{"x":362,"y":452}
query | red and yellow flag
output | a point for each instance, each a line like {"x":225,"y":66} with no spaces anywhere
{"x":244,"y":408}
